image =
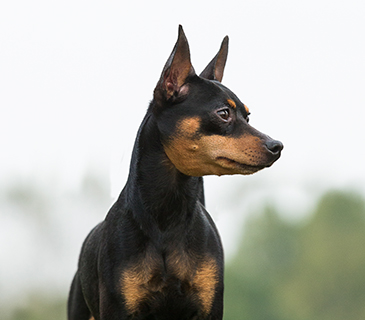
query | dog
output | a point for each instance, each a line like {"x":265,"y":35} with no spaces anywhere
{"x":158,"y":255}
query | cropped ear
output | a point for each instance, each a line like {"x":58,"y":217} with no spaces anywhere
{"x":177,"y":69}
{"x":215,"y":69}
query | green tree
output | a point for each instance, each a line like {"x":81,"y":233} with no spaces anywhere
{"x":309,"y":271}
{"x":266,"y":254}
{"x":39,"y":307}
{"x":328,"y":281}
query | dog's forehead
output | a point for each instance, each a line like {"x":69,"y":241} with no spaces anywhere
{"x":231,"y":97}
{"x":210,"y":90}
{"x":203,"y":97}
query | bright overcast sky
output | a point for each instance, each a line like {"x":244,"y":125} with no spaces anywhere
{"x":76,"y":78}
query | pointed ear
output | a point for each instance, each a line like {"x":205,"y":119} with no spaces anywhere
{"x":177,"y":69}
{"x":215,"y":69}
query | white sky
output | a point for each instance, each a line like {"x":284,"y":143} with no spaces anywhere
{"x":76,"y":78}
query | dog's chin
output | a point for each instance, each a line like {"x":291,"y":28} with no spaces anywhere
{"x":235,"y":167}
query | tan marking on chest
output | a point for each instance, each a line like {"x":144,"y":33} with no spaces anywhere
{"x":141,"y":281}
{"x":133,"y":283}
{"x":180,"y":265}
{"x":205,"y":282}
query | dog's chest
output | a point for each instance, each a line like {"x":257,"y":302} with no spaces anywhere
{"x":150,"y":283}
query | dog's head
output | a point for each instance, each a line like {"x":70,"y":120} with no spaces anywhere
{"x":204,"y":127}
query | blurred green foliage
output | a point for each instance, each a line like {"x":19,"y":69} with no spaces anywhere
{"x":38,"y":307}
{"x":309,"y":271}
{"x":312,"y":270}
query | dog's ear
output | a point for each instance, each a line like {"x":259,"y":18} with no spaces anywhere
{"x":215,"y":69}
{"x":177,"y":69}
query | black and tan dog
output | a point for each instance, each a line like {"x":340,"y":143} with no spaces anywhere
{"x":158,"y":255}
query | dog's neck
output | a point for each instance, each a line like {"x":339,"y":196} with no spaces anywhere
{"x":156,"y":186}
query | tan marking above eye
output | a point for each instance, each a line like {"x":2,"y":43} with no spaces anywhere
{"x":231,"y":103}
{"x":246,"y":108}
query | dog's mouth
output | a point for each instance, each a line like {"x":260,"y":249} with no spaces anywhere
{"x":238,"y":167}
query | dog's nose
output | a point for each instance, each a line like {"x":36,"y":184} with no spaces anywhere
{"x":274,"y":146}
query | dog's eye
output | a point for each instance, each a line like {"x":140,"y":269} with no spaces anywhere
{"x":224,"y":114}
{"x":247,"y":119}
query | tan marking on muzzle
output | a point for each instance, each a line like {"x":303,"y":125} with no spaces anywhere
{"x":197,"y":155}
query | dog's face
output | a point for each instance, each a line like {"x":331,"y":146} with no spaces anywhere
{"x":204,"y":126}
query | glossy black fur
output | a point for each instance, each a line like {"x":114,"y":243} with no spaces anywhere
{"x":160,"y":215}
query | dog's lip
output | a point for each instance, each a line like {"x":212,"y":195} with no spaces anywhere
{"x":243,"y":165}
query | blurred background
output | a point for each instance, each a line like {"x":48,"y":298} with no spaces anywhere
{"x":76,"y":78}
